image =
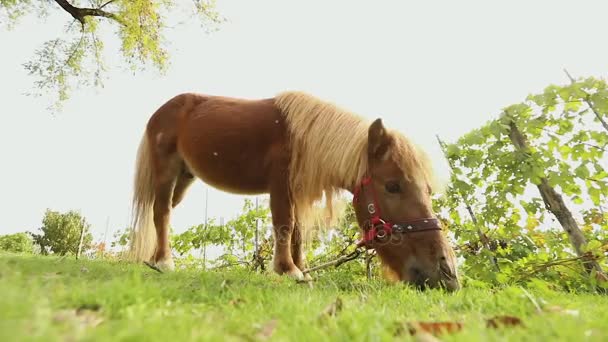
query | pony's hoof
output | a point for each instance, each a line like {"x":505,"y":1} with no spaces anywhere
{"x":307,"y":279}
{"x":163,"y":266}
{"x":295,"y":274}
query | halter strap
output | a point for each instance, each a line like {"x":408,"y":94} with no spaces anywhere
{"x":379,"y":228}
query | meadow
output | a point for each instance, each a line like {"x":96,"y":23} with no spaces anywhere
{"x":63,"y":299}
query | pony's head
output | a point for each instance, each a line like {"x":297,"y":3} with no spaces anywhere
{"x":334,"y":149}
{"x":393,"y":206}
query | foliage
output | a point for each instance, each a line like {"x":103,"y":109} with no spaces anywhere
{"x":77,"y":58}
{"x":121,"y":238}
{"x":567,"y":143}
{"x":236,"y":237}
{"x":18,"y":243}
{"x":61,"y":233}
{"x":340,"y":241}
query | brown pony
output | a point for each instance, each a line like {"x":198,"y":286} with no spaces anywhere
{"x":298,"y":149}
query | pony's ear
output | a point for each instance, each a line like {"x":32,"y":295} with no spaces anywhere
{"x":378,"y":140}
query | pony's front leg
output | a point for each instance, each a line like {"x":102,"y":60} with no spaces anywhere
{"x":297,"y":253}
{"x":283,"y":225}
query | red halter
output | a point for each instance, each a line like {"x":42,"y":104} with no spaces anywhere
{"x":379,"y":228}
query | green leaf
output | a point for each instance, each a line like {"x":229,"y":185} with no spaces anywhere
{"x":452,"y":150}
{"x":594,"y":194}
{"x":582,"y":171}
{"x":565,"y":150}
{"x":577,"y":200}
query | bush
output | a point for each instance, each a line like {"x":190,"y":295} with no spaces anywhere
{"x":18,"y":243}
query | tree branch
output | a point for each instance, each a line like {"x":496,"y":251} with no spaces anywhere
{"x":482,"y":237}
{"x":106,"y":4}
{"x":589,"y":103}
{"x":79,"y":13}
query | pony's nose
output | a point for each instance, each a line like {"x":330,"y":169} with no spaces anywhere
{"x":449,"y":279}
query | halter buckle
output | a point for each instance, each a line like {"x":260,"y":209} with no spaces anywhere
{"x":381,"y":234}
{"x":371,"y":208}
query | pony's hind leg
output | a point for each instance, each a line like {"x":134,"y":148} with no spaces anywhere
{"x":168,"y":168}
{"x":162,"y":212}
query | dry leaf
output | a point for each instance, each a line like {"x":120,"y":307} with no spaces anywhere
{"x":82,"y":317}
{"x":332,"y":309}
{"x":558,"y":309}
{"x":236,"y":302}
{"x":51,"y":275}
{"x":434,"y":328}
{"x":498,"y":321}
{"x":267,"y":330}
{"x":425,"y":337}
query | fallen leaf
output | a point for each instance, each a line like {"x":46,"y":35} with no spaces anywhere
{"x":51,"y":275}
{"x":498,"y":321}
{"x":425,"y":337}
{"x":420,"y":329}
{"x":332,"y":309}
{"x":236,"y":302}
{"x":81,"y":317}
{"x":267,"y":330}
{"x":558,"y":309}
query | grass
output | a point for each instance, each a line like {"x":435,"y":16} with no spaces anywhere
{"x":50,"y":299}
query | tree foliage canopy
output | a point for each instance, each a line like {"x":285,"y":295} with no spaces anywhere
{"x":61,"y":233}
{"x":77,"y":58}
{"x":17,"y":243}
{"x":566,"y":140}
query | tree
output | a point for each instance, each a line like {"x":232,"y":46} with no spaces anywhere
{"x":76,"y":59}
{"x":18,"y":243}
{"x":552,"y":144}
{"x":61,"y":233}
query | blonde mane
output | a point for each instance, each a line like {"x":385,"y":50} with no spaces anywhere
{"x":329,"y":152}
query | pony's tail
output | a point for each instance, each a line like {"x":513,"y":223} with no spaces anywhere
{"x":143,"y":233}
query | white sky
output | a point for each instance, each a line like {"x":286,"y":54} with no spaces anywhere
{"x":426,"y":68}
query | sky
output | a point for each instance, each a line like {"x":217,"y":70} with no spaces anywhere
{"x":425,"y":67}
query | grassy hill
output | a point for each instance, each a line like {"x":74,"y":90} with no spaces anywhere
{"x":62,"y":299}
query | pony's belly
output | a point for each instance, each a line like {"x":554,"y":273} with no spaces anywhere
{"x":233,"y":145}
{"x":226,"y":180}
{"x":238,"y":167}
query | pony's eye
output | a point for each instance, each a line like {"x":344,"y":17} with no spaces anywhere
{"x":392,"y":187}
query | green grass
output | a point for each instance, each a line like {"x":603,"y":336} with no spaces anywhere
{"x":138,"y":304}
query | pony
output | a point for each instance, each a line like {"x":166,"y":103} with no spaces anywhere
{"x":297,"y":149}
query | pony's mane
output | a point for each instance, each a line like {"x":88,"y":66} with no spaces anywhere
{"x":329,"y":152}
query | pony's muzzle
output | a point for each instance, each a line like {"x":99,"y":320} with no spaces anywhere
{"x":419,"y":278}
{"x":444,"y":277}
{"x":449,"y":278}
